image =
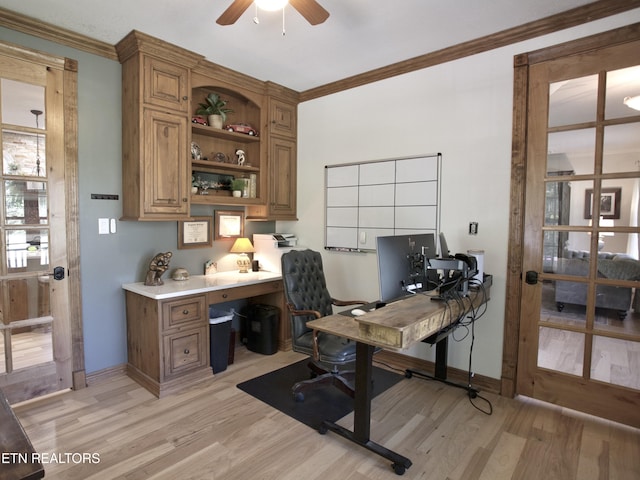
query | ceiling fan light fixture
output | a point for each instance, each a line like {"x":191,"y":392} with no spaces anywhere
{"x":632,"y":102}
{"x":271,"y":5}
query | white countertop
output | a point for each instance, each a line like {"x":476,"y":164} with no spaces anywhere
{"x":200,"y":284}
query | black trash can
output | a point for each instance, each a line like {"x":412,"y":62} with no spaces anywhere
{"x":219,"y":333}
{"x":261,"y":328}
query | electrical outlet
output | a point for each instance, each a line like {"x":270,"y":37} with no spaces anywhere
{"x":473,"y":228}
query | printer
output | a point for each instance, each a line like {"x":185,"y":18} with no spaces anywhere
{"x":269,"y":247}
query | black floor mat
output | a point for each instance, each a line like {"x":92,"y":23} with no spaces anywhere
{"x":326,"y":403}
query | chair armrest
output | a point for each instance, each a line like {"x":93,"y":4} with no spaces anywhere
{"x":293,"y":311}
{"x":344,"y":303}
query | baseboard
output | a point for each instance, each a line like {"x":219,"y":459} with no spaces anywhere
{"x":101,"y":375}
{"x":403,"y":362}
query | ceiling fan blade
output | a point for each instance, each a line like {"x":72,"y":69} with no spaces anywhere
{"x":233,"y":13}
{"x":311,"y":10}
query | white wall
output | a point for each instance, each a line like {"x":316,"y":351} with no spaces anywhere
{"x":462,"y":109}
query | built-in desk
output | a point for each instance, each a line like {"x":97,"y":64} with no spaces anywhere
{"x":168,"y":325}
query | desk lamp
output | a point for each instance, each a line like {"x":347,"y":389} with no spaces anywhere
{"x":243,"y":246}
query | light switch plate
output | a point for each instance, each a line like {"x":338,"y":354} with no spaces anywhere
{"x":103,"y":226}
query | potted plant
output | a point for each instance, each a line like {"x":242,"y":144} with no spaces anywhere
{"x":215,"y":108}
{"x":237,"y":186}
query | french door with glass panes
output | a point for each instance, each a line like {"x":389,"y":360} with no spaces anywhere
{"x":580,"y":324}
{"x":35,"y":345}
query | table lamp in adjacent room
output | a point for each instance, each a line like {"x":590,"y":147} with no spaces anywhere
{"x":243,"y":246}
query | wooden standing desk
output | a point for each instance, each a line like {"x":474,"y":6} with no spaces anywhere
{"x":397,"y":326}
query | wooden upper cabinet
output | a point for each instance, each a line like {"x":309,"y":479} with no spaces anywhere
{"x":166,"y":85}
{"x":156,"y":85}
{"x":281,"y":156}
{"x":282,"y":188}
{"x":165,"y":164}
{"x":162,"y":86}
{"x":282,"y":117}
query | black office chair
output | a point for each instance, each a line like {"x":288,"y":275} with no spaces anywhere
{"x":308,"y":299}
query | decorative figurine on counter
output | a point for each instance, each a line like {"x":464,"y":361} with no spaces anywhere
{"x":158,"y":265}
{"x":241,"y":157}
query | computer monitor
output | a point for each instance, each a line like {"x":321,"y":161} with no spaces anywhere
{"x":400,"y":264}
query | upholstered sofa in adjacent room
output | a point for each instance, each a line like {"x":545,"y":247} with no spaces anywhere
{"x":610,"y":265}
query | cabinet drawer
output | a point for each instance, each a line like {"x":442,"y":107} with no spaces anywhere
{"x":235,"y":293}
{"x":185,"y":312}
{"x":184,"y":351}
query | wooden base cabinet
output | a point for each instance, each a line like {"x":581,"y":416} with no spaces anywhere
{"x":167,"y":342}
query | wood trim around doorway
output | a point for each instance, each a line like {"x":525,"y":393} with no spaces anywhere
{"x":510,"y":354}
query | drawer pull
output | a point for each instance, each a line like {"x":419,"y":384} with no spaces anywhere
{"x":185,"y":312}
{"x":186,"y":351}
{"x":224,"y":295}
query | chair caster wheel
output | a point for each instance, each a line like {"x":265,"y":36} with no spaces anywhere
{"x":322,"y":429}
{"x":398,"y":468}
{"x":298,"y":397}
{"x":408,"y":374}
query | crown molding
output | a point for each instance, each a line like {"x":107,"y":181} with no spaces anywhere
{"x":544,"y":26}
{"x":570,"y":18}
{"x":47,"y":31}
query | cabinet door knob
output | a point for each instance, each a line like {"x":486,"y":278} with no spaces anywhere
{"x":185,"y":312}
{"x":186,"y":351}
{"x":185,"y":98}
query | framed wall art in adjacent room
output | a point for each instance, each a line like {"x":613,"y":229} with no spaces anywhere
{"x":609,"y":203}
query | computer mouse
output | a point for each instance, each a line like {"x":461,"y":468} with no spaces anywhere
{"x":357,"y":312}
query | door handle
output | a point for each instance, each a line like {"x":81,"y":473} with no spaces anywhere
{"x":58,"y":273}
{"x":531,"y":277}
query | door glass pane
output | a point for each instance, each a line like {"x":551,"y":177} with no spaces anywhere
{"x":621,"y":84}
{"x":28,"y":342}
{"x":31,"y":346}
{"x":561,"y":303}
{"x":18,"y":101}
{"x":621,"y":149}
{"x":572,"y":151}
{"x":27,"y":250}
{"x":25,"y":203}
{"x":616,"y":361}
{"x":561,"y":350}
{"x":573,"y":101}
{"x":23,"y":153}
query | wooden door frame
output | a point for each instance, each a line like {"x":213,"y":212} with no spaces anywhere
{"x":70,"y":113}
{"x":522,"y":62}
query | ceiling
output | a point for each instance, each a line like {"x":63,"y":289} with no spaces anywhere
{"x":359,"y":36}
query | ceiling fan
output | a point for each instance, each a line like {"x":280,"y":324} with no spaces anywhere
{"x":311,"y":10}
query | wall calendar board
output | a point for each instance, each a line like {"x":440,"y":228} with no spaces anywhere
{"x":379,"y":198}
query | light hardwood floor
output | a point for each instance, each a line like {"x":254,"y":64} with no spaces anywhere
{"x":216,"y":431}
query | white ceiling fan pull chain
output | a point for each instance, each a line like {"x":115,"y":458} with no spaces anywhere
{"x":283,"y":9}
